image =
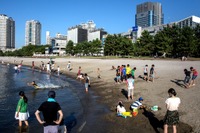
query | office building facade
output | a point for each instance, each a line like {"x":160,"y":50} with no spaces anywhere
{"x":7,"y":32}
{"x":149,"y":14}
{"x":33,"y":32}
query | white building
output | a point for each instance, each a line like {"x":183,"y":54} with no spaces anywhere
{"x":77,"y":34}
{"x":85,"y":32}
{"x":33,"y":32}
{"x":59,"y":44}
{"x":7,"y":32}
{"x":48,"y":37}
{"x":96,"y":34}
{"x":190,"y":21}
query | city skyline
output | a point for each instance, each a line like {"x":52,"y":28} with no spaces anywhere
{"x":116,"y":16}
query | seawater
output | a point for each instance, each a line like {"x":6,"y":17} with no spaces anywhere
{"x":67,"y":91}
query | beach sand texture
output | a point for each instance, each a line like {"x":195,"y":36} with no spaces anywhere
{"x":169,"y":74}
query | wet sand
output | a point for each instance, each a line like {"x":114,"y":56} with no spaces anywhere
{"x":169,"y":75}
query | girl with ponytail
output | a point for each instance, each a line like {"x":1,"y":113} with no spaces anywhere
{"x":21,"y":110}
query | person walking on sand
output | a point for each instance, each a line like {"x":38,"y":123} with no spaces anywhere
{"x":172,"y":115}
{"x":130,"y":86}
{"x":50,"y":109}
{"x":152,"y":73}
{"x":21,"y":110}
{"x":87,"y":82}
{"x":194,"y":76}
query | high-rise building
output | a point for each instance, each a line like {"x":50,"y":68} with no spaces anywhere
{"x":7,"y":32}
{"x":48,"y":37}
{"x":33,"y":32}
{"x":149,"y":14}
{"x":77,"y":34}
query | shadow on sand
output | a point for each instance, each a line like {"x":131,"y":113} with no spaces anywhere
{"x":125,"y":93}
{"x":155,"y":123}
{"x":178,"y":82}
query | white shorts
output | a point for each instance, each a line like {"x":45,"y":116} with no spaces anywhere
{"x":130,"y":92}
{"x":22,"y":116}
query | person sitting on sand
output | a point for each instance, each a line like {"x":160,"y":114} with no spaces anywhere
{"x":120,"y":108}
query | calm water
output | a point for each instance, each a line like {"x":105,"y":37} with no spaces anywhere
{"x":68,"y":95}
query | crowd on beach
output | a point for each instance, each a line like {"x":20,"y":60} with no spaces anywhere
{"x":124,"y":74}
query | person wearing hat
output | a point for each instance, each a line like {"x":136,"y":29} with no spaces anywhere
{"x":137,"y":105}
{"x":50,"y":109}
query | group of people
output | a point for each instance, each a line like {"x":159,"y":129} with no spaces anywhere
{"x":52,"y":121}
{"x":172,"y":104}
{"x":189,"y":80}
{"x":83,"y":77}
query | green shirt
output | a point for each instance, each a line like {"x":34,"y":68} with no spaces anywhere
{"x":22,"y":105}
{"x":132,"y":72}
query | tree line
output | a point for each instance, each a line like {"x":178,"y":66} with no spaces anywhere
{"x":172,"y":40}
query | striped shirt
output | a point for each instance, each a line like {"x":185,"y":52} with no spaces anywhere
{"x":136,"y":104}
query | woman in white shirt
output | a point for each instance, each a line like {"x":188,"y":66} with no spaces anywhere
{"x":172,"y":115}
{"x":120,"y":108}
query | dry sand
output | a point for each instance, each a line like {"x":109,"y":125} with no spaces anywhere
{"x":169,"y":74}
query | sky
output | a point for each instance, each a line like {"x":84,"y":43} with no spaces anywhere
{"x":115,"y":16}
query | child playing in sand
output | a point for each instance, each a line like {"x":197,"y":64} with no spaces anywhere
{"x":194,"y":76}
{"x":120,"y":108}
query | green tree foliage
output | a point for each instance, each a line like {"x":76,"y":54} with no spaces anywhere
{"x":118,"y":45}
{"x":70,"y":48}
{"x":172,"y":40}
{"x":145,"y":45}
{"x":27,"y":50}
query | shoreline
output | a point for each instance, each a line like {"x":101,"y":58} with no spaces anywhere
{"x":110,"y":93}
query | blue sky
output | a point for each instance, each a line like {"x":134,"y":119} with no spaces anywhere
{"x":115,"y":16}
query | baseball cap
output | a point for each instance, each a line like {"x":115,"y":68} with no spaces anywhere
{"x":140,"y":99}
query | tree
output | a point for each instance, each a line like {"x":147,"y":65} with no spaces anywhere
{"x":70,"y":48}
{"x":145,"y":46}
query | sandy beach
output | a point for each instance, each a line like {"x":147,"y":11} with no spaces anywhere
{"x":169,"y":74}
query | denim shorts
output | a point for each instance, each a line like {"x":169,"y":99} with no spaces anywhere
{"x":194,"y":77}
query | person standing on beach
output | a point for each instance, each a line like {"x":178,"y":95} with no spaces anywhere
{"x":187,"y":78}
{"x":79,"y":73}
{"x":21,"y":110}
{"x":124,"y":73}
{"x":145,"y":72}
{"x":69,"y":66}
{"x":152,"y":73}
{"x":98,"y":73}
{"x":130,"y":86}
{"x":50,"y":109}
{"x":172,"y":115}
{"x":33,"y":65}
{"x":87,"y":82}
{"x":133,"y":72}
{"x":194,"y":76}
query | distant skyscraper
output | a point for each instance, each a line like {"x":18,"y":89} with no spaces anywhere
{"x":33,"y":32}
{"x":48,"y":37}
{"x":149,"y":14}
{"x":7,"y":32}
